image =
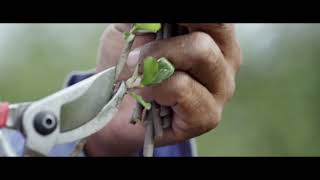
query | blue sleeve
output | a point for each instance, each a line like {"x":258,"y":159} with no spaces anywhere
{"x":184,"y":149}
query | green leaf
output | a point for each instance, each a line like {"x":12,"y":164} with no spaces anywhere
{"x":166,"y":69}
{"x":140,"y":100}
{"x":128,"y":36}
{"x":146,"y":27}
{"x":150,"y":71}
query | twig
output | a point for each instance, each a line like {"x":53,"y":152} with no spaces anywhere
{"x":166,"y":116}
{"x":165,"y":111}
{"x":156,"y":120}
{"x":167,"y":30}
{"x":166,"y":122}
{"x":123,"y":59}
{"x":136,"y":84}
{"x":148,"y":146}
{"x":143,"y":115}
{"x":160,"y":34}
{"x":155,"y":109}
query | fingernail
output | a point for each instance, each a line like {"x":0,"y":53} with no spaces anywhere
{"x":133,"y":58}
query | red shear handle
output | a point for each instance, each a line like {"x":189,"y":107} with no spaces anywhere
{"x":4,"y":112}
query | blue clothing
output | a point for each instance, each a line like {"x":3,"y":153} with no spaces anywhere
{"x":184,"y":149}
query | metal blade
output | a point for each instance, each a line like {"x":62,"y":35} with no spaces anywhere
{"x":98,"y":122}
{"x":73,"y":107}
{"x":88,"y":105}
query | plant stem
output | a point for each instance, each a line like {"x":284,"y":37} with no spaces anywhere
{"x":156,"y":120}
{"x":160,"y":34}
{"x":166,"y":122}
{"x":123,"y":59}
{"x":167,"y":30}
{"x":134,"y":84}
{"x":165,"y":111}
{"x":143,"y":115}
{"x":148,"y":146}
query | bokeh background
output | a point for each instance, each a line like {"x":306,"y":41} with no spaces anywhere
{"x":275,"y":111}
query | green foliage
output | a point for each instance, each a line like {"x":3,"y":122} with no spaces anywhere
{"x":141,"y":28}
{"x":150,"y":71}
{"x":140,"y":100}
{"x":146,"y":27}
{"x":165,"y":71}
{"x":151,"y":66}
{"x":156,"y":71}
{"x":128,"y":36}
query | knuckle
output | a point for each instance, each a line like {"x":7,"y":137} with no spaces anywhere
{"x":212,"y":124}
{"x":213,"y":121}
{"x":225,"y":86}
{"x":204,"y":47}
{"x":230,"y":88}
{"x":180,"y":82}
{"x":175,"y":90}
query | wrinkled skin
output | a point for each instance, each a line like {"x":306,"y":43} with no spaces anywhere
{"x":207,"y":60}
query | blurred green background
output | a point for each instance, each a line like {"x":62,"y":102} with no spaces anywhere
{"x":273,"y":113}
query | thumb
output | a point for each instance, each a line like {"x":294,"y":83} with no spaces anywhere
{"x":112,"y":43}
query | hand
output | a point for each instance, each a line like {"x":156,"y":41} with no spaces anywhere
{"x":206,"y":60}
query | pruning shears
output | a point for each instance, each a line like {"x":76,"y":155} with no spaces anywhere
{"x":71,"y":114}
{"x":80,"y":110}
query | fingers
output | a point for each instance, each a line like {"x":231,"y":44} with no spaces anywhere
{"x":112,"y":42}
{"x":119,"y":137}
{"x":190,"y":101}
{"x":224,"y":35}
{"x":198,"y":55}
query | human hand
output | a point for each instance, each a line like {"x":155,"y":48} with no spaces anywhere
{"x":206,"y":61}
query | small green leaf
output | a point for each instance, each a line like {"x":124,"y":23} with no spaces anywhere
{"x":150,"y":71}
{"x":146,"y":27}
{"x":128,"y":36}
{"x":140,"y":100}
{"x":166,"y":69}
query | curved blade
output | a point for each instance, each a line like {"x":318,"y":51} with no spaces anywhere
{"x":72,"y":106}
{"x":97,"y":123}
{"x":79,"y":111}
